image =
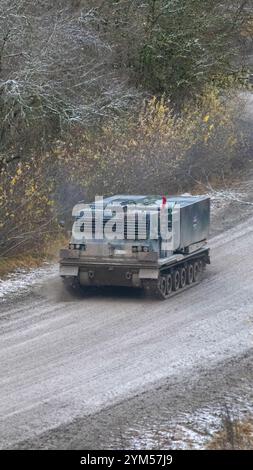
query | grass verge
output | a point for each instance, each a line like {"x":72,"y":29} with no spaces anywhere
{"x":234,"y":435}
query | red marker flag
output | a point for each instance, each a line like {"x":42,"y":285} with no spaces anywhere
{"x":164,"y":201}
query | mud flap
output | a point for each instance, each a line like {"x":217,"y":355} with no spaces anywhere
{"x":69,"y":270}
{"x":148,"y":273}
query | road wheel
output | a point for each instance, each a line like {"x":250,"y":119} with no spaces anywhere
{"x":168,"y":284}
{"x":202,"y":266}
{"x":176,"y":280}
{"x":183,"y":277}
{"x":156,"y":288}
{"x":196,"y":271}
{"x":190,"y":276}
{"x":163,"y":286}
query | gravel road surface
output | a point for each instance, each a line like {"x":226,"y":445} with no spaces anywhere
{"x":70,"y":362}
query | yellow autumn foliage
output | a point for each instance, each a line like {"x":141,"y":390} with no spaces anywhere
{"x":157,"y":150}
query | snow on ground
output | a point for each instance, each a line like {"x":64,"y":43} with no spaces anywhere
{"x":189,"y":430}
{"x":21,"y":280}
{"x":223,"y":197}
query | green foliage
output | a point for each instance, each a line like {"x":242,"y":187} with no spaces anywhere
{"x":176,"y":47}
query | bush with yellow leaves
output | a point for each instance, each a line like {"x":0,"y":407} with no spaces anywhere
{"x":154,"y":151}
{"x":158,"y":151}
{"x":27,"y":209}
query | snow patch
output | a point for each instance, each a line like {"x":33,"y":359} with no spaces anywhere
{"x":187,"y":430}
{"x":21,"y":280}
{"x":221,"y":198}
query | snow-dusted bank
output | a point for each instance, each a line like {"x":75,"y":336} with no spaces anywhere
{"x":21,"y":280}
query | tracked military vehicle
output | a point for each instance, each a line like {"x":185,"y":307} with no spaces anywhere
{"x":158,"y":243}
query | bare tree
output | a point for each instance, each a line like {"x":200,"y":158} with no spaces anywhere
{"x":54,"y":70}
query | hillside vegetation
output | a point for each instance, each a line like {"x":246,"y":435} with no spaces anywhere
{"x":120,"y":96}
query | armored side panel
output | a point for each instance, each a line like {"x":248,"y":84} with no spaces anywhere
{"x":194,"y":219}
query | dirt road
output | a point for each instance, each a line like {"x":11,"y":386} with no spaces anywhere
{"x":64,"y":359}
